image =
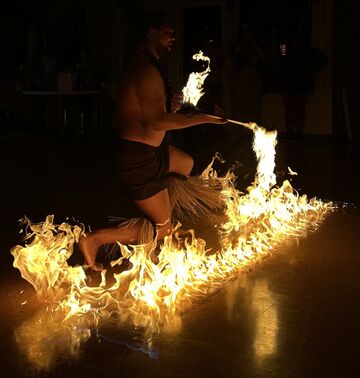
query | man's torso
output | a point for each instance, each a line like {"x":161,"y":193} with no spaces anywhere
{"x":132,"y":120}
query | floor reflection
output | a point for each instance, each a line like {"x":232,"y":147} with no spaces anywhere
{"x":261,"y":308}
{"x":267,"y":322}
{"x":44,"y":337}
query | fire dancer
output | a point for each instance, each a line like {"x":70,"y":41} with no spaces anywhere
{"x":146,"y":110}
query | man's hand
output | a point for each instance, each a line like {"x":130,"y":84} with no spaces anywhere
{"x":217,"y":119}
{"x":176,"y":102}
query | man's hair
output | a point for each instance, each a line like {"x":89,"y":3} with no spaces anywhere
{"x":150,"y":19}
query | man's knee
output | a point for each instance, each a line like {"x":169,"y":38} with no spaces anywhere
{"x":188,"y":165}
{"x":191,"y":164}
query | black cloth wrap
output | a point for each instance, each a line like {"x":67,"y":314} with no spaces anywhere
{"x":143,"y":170}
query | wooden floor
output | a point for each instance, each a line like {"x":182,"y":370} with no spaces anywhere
{"x":295,"y":314}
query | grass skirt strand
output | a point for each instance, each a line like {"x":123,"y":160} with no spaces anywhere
{"x":195,"y":197}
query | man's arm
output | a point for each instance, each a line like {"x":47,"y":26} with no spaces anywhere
{"x":150,"y":91}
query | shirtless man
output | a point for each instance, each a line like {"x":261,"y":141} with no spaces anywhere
{"x":145,"y":158}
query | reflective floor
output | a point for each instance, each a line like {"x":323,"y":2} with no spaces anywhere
{"x":295,"y":314}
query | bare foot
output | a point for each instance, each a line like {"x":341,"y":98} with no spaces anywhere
{"x":89,"y":248}
{"x":96,"y":267}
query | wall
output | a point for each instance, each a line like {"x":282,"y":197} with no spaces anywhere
{"x":346,"y":69}
{"x":320,"y":104}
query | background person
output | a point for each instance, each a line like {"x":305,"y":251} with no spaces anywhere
{"x":298,"y":69}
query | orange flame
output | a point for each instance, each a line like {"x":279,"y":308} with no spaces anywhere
{"x":153,"y":295}
{"x":193,"y":90}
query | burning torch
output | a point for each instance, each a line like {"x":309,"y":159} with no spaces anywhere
{"x":193,"y":91}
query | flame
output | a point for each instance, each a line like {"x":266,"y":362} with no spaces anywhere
{"x":193,"y":90}
{"x":154,"y":294}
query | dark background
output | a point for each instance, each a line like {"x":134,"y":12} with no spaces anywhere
{"x":39,"y":38}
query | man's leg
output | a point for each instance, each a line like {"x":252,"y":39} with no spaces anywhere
{"x":156,"y":208}
{"x":180,"y":161}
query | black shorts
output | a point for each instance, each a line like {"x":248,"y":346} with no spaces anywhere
{"x":142,"y":170}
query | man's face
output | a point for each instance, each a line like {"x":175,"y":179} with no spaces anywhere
{"x":165,"y":38}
